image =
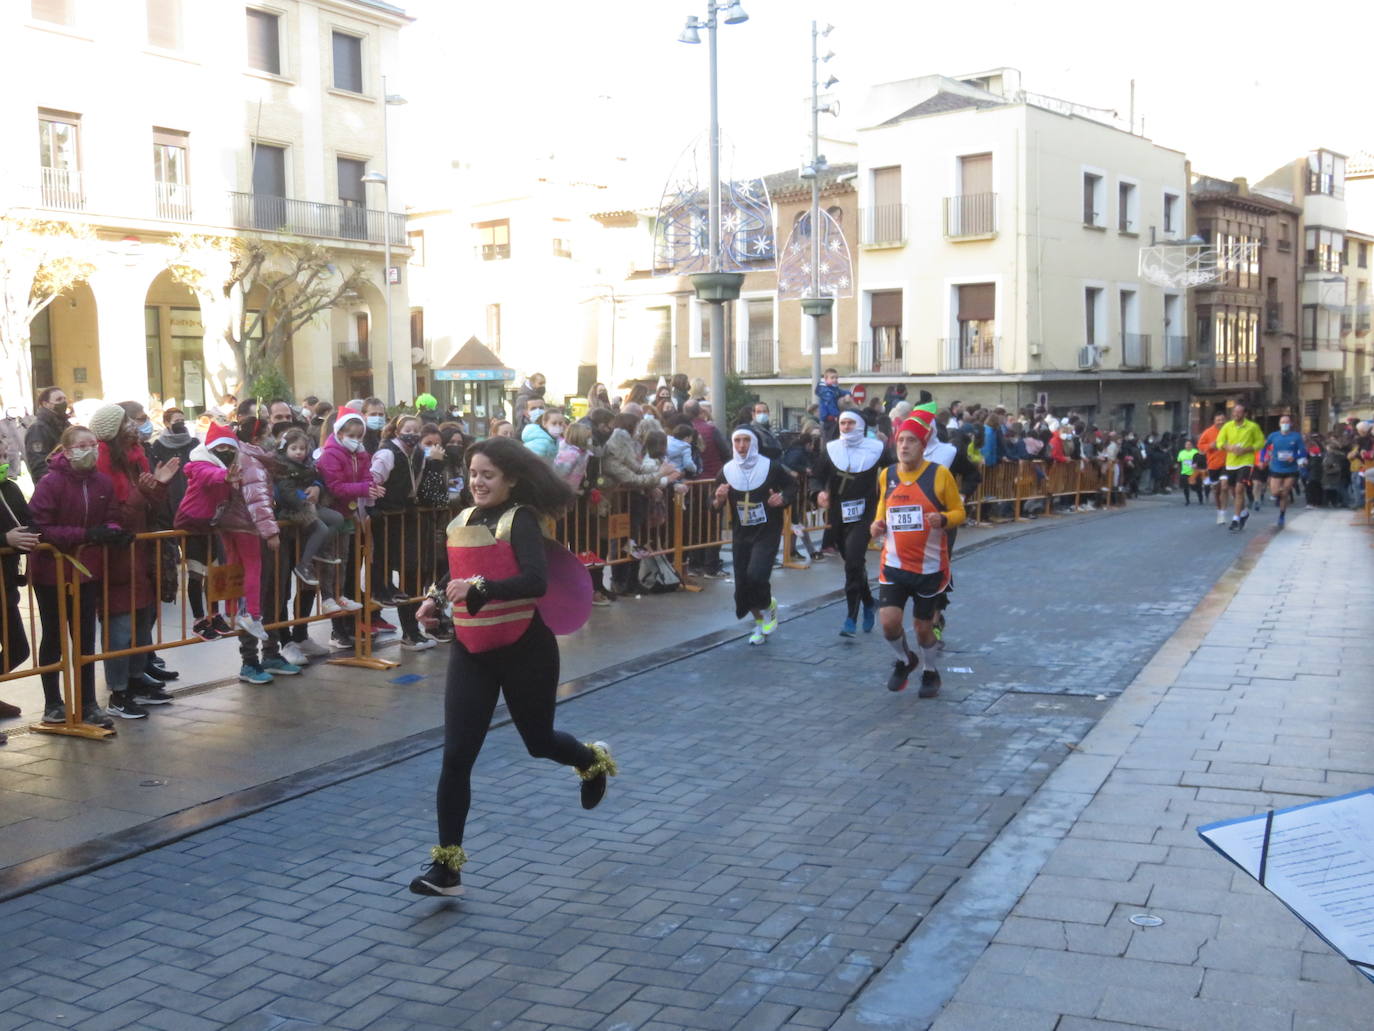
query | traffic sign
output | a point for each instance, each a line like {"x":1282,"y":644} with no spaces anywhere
{"x":858,"y":392}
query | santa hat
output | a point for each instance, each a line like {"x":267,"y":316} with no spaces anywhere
{"x":220,"y":434}
{"x":344,"y":417}
{"x":921,"y":423}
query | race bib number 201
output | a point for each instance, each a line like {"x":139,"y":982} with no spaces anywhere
{"x":906,"y":518}
{"x":853,"y":511}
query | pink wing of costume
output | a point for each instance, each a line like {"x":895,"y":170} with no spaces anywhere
{"x":567,"y":604}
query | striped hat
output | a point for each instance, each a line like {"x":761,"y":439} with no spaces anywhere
{"x":921,"y":422}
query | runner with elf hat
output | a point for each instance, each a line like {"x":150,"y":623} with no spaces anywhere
{"x":848,"y":470}
{"x":756,"y":489}
{"x":918,"y":502}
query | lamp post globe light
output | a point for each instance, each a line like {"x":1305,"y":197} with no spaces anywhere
{"x":715,"y":287}
{"x":380,"y":179}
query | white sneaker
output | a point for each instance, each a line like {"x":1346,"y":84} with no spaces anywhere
{"x":292,"y":653}
{"x":1221,"y":517}
{"x":348,"y":604}
{"x":328,"y":606}
{"x":757,"y":637}
{"x":250,"y":625}
{"x":310,"y":649}
{"x":418,"y":644}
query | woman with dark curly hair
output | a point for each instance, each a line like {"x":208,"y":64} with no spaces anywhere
{"x":499,"y":570}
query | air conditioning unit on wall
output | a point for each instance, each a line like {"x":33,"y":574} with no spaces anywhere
{"x":1087,"y":357}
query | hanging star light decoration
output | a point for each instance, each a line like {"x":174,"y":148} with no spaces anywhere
{"x":681,"y":231}
{"x":836,"y":277}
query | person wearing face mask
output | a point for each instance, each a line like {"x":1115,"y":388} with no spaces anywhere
{"x":12,"y":429}
{"x":1287,"y":456}
{"x":848,"y":472}
{"x":531,"y":390}
{"x":347,"y":473}
{"x":51,"y":419}
{"x":543,"y":436}
{"x":398,"y":467}
{"x":761,"y":423}
{"x":175,"y":441}
{"x":455,"y":446}
{"x":374,"y":422}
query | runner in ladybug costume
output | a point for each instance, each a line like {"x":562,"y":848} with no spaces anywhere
{"x":848,"y":471}
{"x":919,"y":502}
{"x":503,"y":572}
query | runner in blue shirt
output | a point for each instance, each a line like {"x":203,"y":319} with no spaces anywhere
{"x":1288,"y":453}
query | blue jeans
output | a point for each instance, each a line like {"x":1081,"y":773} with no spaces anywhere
{"x":122,"y":635}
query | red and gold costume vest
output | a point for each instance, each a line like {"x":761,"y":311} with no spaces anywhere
{"x":473,"y":551}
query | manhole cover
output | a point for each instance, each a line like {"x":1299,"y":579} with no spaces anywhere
{"x":1035,"y":703}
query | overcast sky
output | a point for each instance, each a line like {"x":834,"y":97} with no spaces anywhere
{"x":508,"y":82}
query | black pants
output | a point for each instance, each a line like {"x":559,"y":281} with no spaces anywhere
{"x":50,"y":645}
{"x":14,"y":643}
{"x":754,"y":549}
{"x":1192,"y":486}
{"x":853,"y":539}
{"x":526,"y":672}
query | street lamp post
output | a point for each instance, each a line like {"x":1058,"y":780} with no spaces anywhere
{"x":715,"y":287}
{"x":389,"y":100}
{"x":814,"y":304}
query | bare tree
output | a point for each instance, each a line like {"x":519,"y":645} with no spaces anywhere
{"x":39,"y":261}
{"x":289,"y":285}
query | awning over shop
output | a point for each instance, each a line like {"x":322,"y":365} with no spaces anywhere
{"x":474,"y":362}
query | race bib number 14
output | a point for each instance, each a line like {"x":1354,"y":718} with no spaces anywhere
{"x":751,"y":514}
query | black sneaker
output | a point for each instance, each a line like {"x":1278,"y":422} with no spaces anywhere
{"x":205,"y":630}
{"x":123,"y":706}
{"x":594,"y":776}
{"x":149,"y":695}
{"x":161,"y":673}
{"x":901,"y":672}
{"x":345,"y":641}
{"x":439,"y":879}
{"x":220,"y":626}
{"x":1244,"y":518}
{"x":930,"y":684}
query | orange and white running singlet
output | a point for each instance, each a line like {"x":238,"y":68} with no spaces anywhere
{"x":912,"y":544}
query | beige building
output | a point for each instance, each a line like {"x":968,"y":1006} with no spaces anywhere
{"x":1000,"y":234}
{"x":166,"y":118}
{"x":1353,"y":389}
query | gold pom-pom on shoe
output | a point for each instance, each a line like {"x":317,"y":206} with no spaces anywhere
{"x":451,"y":856}
{"x":594,"y":776}
{"x":442,"y":877}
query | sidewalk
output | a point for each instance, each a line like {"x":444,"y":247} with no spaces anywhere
{"x":225,"y":737}
{"x":1263,"y":700}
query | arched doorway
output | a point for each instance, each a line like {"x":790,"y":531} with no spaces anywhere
{"x":174,"y":336}
{"x":64,"y":346}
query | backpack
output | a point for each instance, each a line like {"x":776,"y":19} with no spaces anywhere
{"x":657,"y":575}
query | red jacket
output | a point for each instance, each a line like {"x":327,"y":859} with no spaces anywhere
{"x":131,"y":573}
{"x":66,"y":505}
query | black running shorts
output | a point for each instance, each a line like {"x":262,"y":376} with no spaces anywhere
{"x":924,"y":589}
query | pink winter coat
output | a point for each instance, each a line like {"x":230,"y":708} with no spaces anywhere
{"x":257,"y":488}
{"x":206,"y":488}
{"x":347,"y":476}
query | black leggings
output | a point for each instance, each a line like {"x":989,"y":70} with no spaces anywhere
{"x":754,"y":553}
{"x":853,"y":543}
{"x":526,"y":672}
{"x":50,"y":645}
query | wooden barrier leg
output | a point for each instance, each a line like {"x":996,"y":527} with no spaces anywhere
{"x":69,"y":623}
{"x":679,"y":559}
{"x":362,"y":634}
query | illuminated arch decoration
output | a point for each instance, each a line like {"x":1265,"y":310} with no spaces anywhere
{"x":794,"y":263}
{"x":682,"y":229}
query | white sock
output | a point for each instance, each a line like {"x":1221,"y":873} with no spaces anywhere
{"x":928,"y":654}
{"x":899,"y":646}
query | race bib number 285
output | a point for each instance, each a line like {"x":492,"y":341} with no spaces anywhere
{"x":906,"y":518}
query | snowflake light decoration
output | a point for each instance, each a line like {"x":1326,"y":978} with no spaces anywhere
{"x":682,"y":230}
{"x":836,"y":277}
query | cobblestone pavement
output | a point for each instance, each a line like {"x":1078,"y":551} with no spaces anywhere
{"x":780,"y":826}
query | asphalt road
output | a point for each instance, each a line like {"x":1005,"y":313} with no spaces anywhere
{"x":781,"y":824}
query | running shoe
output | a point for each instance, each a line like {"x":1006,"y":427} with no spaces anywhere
{"x":277,"y":666}
{"x":440,"y":880}
{"x":901,"y":673}
{"x":250,"y":625}
{"x":304,"y":575}
{"x":1244,"y":518}
{"x":348,"y":604}
{"x":758,"y":636}
{"x":1221,"y":517}
{"x":850,"y":629}
{"x":55,"y":714}
{"x":330,"y":607}
{"x":594,"y":776}
{"x":149,"y":695}
{"x":870,"y":617}
{"x":417,"y":643}
{"x":1235,"y":525}
{"x":94,"y":715}
{"x":770,"y":618}
{"x":254,"y":675}
{"x":221,"y":626}
{"x":1280,"y":523}
{"x":205,"y":630}
{"x":930,"y":684}
{"x":939,"y":632}
{"x":381,"y":626}
{"x":309,"y":649}
{"x":123,"y":706}
{"x":292,"y":653}
{"x":342,"y":641}
{"x":161,"y":673}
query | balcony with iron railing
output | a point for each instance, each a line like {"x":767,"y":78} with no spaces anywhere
{"x":492,"y":251}
{"x":60,"y":188}
{"x":883,"y":226}
{"x":759,"y":351}
{"x":172,"y":201}
{"x":311,"y":218}
{"x":969,"y":215}
{"x":1135,"y":350}
{"x":1227,"y":373}
{"x":1362,"y":320}
{"x":883,"y":358}
{"x":1175,"y":352}
{"x":970,"y":353}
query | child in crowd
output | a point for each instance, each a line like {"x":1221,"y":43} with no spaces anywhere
{"x":829,"y":392}
{"x":680,"y":451}
{"x":574,"y":450}
{"x":542,"y":437}
{"x":346,"y":469}
{"x":298,"y":487}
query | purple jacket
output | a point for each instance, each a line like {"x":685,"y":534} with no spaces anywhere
{"x":347,"y":476}
{"x":65,"y":506}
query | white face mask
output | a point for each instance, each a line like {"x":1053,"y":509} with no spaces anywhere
{"x":1284,"y":427}
{"x":376,"y":422}
{"x":556,"y":431}
{"x":82,"y":457}
{"x":351,"y":443}
{"x":536,"y":415}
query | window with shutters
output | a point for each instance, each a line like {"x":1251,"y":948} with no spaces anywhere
{"x":264,"y":41}
{"x":699,"y":339}
{"x":885,"y":323}
{"x":171,"y":174}
{"x":164,"y":24}
{"x":348,"y":62}
{"x":1092,"y":309}
{"x":1127,"y":207}
{"x":1094,"y":200}
{"x":661,"y":329}
{"x":59,"y":160}
{"x":59,"y":12}
{"x":493,"y":239}
{"x":352,"y":198}
{"x":977,"y":324}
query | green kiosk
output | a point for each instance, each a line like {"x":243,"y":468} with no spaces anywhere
{"x":475,"y":380}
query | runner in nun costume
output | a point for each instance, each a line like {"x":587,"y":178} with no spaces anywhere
{"x":756,"y":489}
{"x":848,"y":473}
